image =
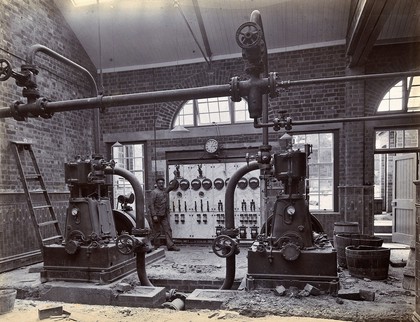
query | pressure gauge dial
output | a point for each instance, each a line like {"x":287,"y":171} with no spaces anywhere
{"x":290,"y":210}
{"x":211,"y":146}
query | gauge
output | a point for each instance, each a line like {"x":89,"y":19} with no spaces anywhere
{"x":290,"y":210}
{"x":75,"y":211}
{"x":211,"y":146}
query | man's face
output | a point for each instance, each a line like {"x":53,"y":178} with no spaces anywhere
{"x":160,"y":184}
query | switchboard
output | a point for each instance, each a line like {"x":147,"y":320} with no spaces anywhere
{"x":197,"y":206}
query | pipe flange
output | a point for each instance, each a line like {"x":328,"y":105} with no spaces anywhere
{"x":234,"y":89}
{"x":32,"y":68}
{"x":14,"y":110}
{"x":290,"y":252}
{"x":272,"y":85}
{"x":72,"y":247}
{"x":140,"y":232}
{"x":42,"y":105}
{"x":231,"y":232}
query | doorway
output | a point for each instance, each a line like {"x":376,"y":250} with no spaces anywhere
{"x":394,"y":196}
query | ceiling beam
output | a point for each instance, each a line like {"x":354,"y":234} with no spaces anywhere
{"x":367,"y":18}
{"x":177,"y":5}
{"x":202,"y":29}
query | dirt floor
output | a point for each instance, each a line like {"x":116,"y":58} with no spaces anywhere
{"x":391,"y":301}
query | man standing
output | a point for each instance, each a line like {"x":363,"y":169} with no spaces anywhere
{"x":159,"y":213}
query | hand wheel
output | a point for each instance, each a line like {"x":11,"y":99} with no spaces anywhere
{"x":248,"y":35}
{"x":125,"y":244}
{"x":5,"y":69}
{"x":224,"y":246}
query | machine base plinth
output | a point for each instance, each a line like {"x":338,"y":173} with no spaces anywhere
{"x":317,"y":267}
{"x":99,"y":265}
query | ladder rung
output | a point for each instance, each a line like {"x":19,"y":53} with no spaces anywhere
{"x":46,"y":223}
{"x":52,"y":238}
{"x":37,"y":191}
{"x":42,"y":207}
{"x":21,"y":142}
{"x":33,"y":177}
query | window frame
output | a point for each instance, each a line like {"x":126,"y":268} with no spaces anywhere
{"x":335,"y":169}
{"x":196,"y":113}
{"x":119,"y":183}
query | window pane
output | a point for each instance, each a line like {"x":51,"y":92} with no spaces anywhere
{"x":411,"y":138}
{"x":321,"y":169}
{"x":325,"y":156}
{"x":130,"y":157}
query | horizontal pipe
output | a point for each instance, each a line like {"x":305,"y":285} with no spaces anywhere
{"x":339,"y":79}
{"x":179,"y":94}
{"x":346,"y":119}
{"x":123,"y":100}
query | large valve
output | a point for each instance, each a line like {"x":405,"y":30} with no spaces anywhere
{"x":5,"y":70}
{"x":249,"y":35}
{"x":225,"y":246}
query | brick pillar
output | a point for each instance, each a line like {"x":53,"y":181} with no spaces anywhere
{"x":356,"y":204}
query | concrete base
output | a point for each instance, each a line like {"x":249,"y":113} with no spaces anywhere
{"x":317,"y":267}
{"x":208,"y":299}
{"x":99,"y":265}
{"x":140,"y":296}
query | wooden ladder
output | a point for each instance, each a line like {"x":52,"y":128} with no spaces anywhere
{"x":37,"y":187}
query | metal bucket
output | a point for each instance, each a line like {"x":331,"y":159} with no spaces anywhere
{"x":341,"y":241}
{"x":368,"y":261}
{"x":7,"y":300}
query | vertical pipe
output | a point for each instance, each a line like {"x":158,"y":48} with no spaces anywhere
{"x":256,"y":18}
{"x":230,"y":218}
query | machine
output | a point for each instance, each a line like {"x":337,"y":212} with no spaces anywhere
{"x":96,"y":239}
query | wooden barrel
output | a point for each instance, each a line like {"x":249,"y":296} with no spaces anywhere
{"x":7,"y":300}
{"x":351,"y":227}
{"x":341,"y":241}
{"x":368,"y":261}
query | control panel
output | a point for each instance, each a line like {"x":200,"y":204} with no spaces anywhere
{"x":197,"y":206}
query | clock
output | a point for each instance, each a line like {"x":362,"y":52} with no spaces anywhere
{"x":211,"y":146}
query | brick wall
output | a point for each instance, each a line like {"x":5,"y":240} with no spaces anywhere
{"x":55,"y":140}
{"x":309,"y":102}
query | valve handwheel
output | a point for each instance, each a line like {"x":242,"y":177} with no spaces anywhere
{"x":224,"y":246}
{"x":125,"y":244}
{"x":5,"y":69}
{"x":248,"y":35}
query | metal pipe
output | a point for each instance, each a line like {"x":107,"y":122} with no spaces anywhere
{"x":256,"y":18}
{"x":30,"y":58}
{"x":139,"y":202}
{"x":138,"y":192}
{"x":347,"y":78}
{"x":178,"y":94}
{"x":346,"y":119}
{"x":123,"y":100}
{"x":230,"y":218}
{"x":141,"y":269}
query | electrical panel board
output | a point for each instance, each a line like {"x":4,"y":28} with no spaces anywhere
{"x":197,"y":206}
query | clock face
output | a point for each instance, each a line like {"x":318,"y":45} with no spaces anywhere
{"x":211,"y":146}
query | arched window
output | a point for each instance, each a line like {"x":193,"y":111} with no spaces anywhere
{"x":404,"y":96}
{"x":207,"y":111}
